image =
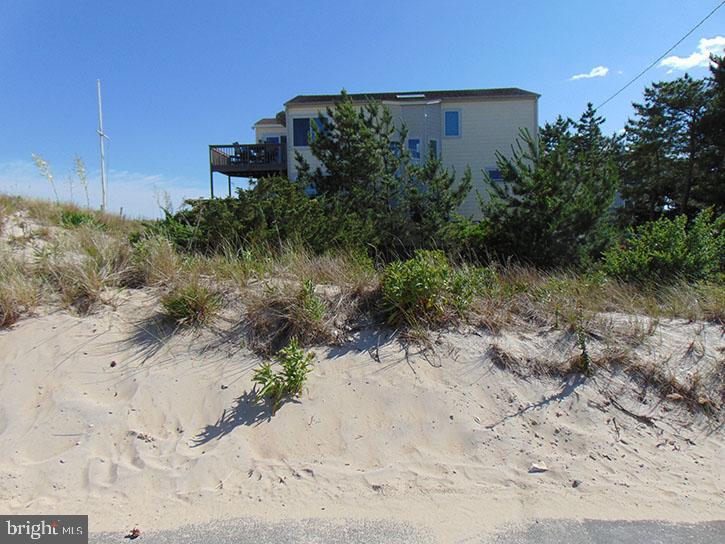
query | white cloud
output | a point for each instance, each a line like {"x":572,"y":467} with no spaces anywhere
{"x":597,"y":71}
{"x":138,"y":194}
{"x":700,"y":58}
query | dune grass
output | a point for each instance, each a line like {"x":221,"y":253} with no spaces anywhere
{"x":191,"y":302}
{"x":20,"y":291}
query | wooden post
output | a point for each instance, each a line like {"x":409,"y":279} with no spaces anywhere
{"x":229,"y":181}
{"x":211,"y":175}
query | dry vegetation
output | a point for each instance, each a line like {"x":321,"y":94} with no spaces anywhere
{"x":82,"y":263}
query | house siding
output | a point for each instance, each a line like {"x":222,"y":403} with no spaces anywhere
{"x":261,"y":132}
{"x":486,"y":126}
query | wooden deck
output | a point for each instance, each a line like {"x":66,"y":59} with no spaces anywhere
{"x":248,"y":160}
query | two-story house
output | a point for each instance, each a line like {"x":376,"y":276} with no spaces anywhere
{"x":465,"y":127}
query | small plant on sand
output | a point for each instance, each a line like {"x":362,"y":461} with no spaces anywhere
{"x":289,"y":381}
{"x":310,"y":303}
{"x":191,"y":303}
{"x":584,"y":359}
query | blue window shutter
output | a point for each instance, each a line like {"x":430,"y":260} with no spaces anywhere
{"x":414,"y":148}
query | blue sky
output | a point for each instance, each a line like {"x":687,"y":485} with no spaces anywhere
{"x":178,"y":77}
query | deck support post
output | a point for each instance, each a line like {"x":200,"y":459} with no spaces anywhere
{"x":211,"y":175}
{"x":229,"y":181}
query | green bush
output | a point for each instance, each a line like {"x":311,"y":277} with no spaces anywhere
{"x":274,"y":212}
{"x":666,"y":250}
{"x":192,"y":303}
{"x":288,"y":381}
{"x":426,"y":289}
{"x":76,"y":218}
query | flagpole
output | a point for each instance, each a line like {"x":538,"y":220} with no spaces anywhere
{"x":102,"y":136}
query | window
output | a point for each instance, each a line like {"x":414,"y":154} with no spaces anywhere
{"x":494,"y":174}
{"x":318,"y":125}
{"x":452,"y":121}
{"x":414,"y":148}
{"x":272,"y":139}
{"x":301,"y":131}
{"x":434,"y":148}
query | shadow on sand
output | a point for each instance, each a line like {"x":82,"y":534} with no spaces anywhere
{"x":245,"y":411}
{"x":568,"y":387}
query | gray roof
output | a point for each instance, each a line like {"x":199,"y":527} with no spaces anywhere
{"x":268,"y":121}
{"x":427,"y":95}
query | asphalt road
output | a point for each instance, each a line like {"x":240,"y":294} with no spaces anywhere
{"x":248,"y":531}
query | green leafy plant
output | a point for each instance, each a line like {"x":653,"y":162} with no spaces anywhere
{"x":425,"y":289}
{"x":192,"y":303}
{"x":584,"y":360}
{"x":310,"y":303}
{"x":289,"y":381}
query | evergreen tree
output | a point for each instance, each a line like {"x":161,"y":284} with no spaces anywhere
{"x":712,"y":189}
{"x":553,"y":207}
{"x":366,"y":171}
{"x":664,"y":171}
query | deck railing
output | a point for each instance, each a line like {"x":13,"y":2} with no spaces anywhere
{"x":232,"y":158}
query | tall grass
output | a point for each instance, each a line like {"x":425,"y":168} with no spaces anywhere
{"x":20,"y":291}
{"x":81,"y":266}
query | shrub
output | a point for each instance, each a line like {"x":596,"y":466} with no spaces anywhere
{"x":289,"y":381}
{"x":666,"y":249}
{"x":273,"y":212}
{"x":191,"y":303}
{"x":425,"y":289}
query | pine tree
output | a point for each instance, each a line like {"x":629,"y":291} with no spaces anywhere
{"x":553,"y":207}
{"x":711,"y":192}
{"x":366,"y":172}
{"x":664,"y":169}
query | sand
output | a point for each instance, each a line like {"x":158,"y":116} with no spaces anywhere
{"x":116,"y":416}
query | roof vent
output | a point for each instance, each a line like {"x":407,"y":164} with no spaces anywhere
{"x":419,"y":95}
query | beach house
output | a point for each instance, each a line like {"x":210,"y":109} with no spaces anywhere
{"x":463,"y":127}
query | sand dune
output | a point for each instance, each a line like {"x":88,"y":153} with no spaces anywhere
{"x":116,"y":416}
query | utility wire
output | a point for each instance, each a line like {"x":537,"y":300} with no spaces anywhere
{"x":663,"y":55}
